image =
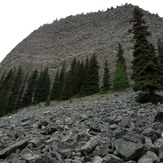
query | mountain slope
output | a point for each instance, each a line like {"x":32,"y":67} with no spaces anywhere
{"x":80,"y":36}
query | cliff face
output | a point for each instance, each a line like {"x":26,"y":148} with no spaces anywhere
{"x":80,"y":36}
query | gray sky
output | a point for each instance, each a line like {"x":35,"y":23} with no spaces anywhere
{"x":20,"y":17}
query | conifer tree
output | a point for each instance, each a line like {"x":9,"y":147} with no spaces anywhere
{"x":67,"y":91}
{"x":2,"y":78}
{"x":160,"y":51}
{"x":120,"y":57}
{"x":80,"y":76}
{"x":120,"y":80}
{"x":61,"y":82}
{"x":22,"y":91}
{"x":145,"y":64}
{"x":85,"y":79}
{"x":106,"y":83}
{"x":48,"y":101}
{"x":29,"y":92}
{"x":42,"y":87}
{"x":71,"y":81}
{"x":55,"y":88}
{"x":15,"y":90}
{"x":93,"y":76}
{"x":5,"y":91}
{"x":74,"y":77}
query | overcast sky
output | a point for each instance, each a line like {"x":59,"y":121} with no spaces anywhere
{"x":20,"y":17}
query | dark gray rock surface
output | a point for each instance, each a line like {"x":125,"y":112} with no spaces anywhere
{"x":111,"y":129}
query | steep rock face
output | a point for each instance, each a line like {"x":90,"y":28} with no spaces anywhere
{"x":80,"y":36}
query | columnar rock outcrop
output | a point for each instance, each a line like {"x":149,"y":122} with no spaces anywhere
{"x":114,"y":130}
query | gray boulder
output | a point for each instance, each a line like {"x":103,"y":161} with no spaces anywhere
{"x":148,"y":157}
{"x":90,"y":145}
{"x":130,"y":146}
{"x":19,"y":145}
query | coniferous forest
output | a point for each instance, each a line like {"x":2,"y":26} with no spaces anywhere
{"x":18,"y":90}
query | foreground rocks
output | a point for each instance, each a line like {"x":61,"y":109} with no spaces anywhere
{"x":109,"y":130}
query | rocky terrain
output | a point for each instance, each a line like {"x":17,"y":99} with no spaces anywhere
{"x":110,"y":129}
{"x":80,"y":36}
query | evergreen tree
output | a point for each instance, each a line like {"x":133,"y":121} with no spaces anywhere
{"x":91,"y":80}
{"x":106,"y":78}
{"x":1,"y":79}
{"x":22,"y":91}
{"x":29,"y":92}
{"x":71,"y":81}
{"x":15,"y":90}
{"x":55,"y":87}
{"x":42,"y":88}
{"x":85,"y":79}
{"x":5,"y":91}
{"x":48,"y":101}
{"x":120,"y":80}
{"x":79,"y":76}
{"x":67,"y":91}
{"x":74,"y":77}
{"x":160,"y":51}
{"x":93,"y":75}
{"x":145,"y":64}
{"x":120,"y":57}
{"x":61,"y":82}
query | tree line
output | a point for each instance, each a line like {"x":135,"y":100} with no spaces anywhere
{"x":18,"y":90}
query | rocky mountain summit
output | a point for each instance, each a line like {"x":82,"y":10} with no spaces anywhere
{"x":81,"y":36}
{"x":113,"y":129}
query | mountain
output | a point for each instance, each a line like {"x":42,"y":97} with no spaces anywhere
{"x":80,"y":36}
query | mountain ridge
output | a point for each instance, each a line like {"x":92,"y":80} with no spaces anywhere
{"x":80,"y":36}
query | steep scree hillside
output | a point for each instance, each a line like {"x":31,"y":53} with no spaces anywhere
{"x":80,"y":36}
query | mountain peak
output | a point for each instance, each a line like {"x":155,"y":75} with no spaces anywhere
{"x":80,"y":36}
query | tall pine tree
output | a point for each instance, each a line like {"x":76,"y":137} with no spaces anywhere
{"x":93,"y":76}
{"x":85,"y":83}
{"x":61,"y":84}
{"x":120,"y":57}
{"x":55,"y":88}
{"x":5,"y":91}
{"x":106,"y":83}
{"x":120,"y":79}
{"x":145,"y":64}
{"x":15,"y":90}
{"x":30,"y":89}
{"x":42,"y":88}
{"x":160,"y":51}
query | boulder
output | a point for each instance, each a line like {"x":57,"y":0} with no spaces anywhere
{"x":148,"y":157}
{"x":112,"y":158}
{"x":19,"y":145}
{"x":159,"y":117}
{"x":130,"y":146}
{"x":97,"y":159}
{"x":34,"y":159}
{"x":90,"y":145}
{"x":37,"y":141}
{"x":149,"y":132}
